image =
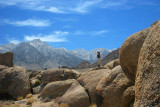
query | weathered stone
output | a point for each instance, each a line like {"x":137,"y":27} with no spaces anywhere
{"x":15,"y":81}
{"x":76,"y":96}
{"x":112,"y":64}
{"x":38,"y":89}
{"x":148,"y":73}
{"x":6,"y":59}
{"x":129,"y":53}
{"x":89,"y":81}
{"x":115,"y":88}
{"x":56,"y":89}
{"x":58,"y":75}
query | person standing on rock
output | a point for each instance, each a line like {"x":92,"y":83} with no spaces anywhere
{"x":99,"y":59}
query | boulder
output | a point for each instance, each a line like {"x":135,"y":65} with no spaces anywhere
{"x":89,"y":81}
{"x":38,"y":89}
{"x":56,"y":89}
{"x":115,"y":88}
{"x":148,"y":73}
{"x":129,"y":53}
{"x":6,"y":59}
{"x":112,"y":64}
{"x":76,"y":96}
{"x":14,"y":81}
{"x":58,"y":75}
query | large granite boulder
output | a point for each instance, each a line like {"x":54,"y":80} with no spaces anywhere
{"x":148,"y":72}
{"x":129,"y":53}
{"x":89,"y":81}
{"x":112,"y":64}
{"x":58,"y":75}
{"x":76,"y":96}
{"x":56,"y":89}
{"x":14,"y":81}
{"x":6,"y":59}
{"x":116,"y":90}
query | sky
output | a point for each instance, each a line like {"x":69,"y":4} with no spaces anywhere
{"x":75,"y":24}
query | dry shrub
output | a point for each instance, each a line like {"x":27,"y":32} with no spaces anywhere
{"x":93,"y":105}
{"x":63,"y":105}
{"x":19,"y":98}
{"x":28,"y":96}
{"x":30,"y":101}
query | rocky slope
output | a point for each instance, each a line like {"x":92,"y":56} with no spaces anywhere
{"x":117,"y":85}
{"x":7,"y":47}
{"x":39,"y":55}
{"x":90,"y":56}
{"x":109,"y":57}
{"x":140,"y":61}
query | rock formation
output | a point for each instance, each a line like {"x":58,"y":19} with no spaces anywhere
{"x":76,"y":96}
{"x":58,"y":74}
{"x":133,"y":83}
{"x":112,"y":64}
{"x":14,"y":81}
{"x":129,"y":53}
{"x":89,"y":81}
{"x":6,"y":59}
{"x":115,"y":89}
{"x":140,"y":61}
{"x":148,"y":72}
{"x":56,"y":89}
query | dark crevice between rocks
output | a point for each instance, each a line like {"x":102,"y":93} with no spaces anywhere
{"x":6,"y":96}
{"x":99,"y":100}
{"x":131,"y":103}
{"x":31,"y":88}
{"x":87,"y":91}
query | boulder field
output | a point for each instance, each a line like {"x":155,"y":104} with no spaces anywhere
{"x":133,"y":80}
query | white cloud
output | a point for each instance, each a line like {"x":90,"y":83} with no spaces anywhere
{"x":84,"y":6}
{"x":29,"y":22}
{"x":91,"y":33}
{"x":101,"y":32}
{"x":57,"y":36}
{"x":12,"y":40}
{"x":54,"y":10}
{"x":78,"y":6}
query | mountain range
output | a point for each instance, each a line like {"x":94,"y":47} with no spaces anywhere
{"x":39,"y":55}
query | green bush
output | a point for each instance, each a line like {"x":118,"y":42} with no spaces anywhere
{"x":37,"y":83}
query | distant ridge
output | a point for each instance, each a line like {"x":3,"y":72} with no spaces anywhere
{"x":109,"y":57}
{"x":39,"y":55}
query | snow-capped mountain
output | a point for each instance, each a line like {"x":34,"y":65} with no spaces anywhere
{"x":39,"y":55}
{"x":90,"y":55}
{"x":7,"y":47}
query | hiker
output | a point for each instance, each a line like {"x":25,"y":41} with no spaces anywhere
{"x":98,"y":59}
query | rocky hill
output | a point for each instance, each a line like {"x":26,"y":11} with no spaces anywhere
{"x":133,"y":80}
{"x":109,"y":57}
{"x":90,"y":56}
{"x":39,"y":55}
{"x":7,"y":47}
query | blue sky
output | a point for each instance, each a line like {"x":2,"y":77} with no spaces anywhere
{"x":75,"y":24}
